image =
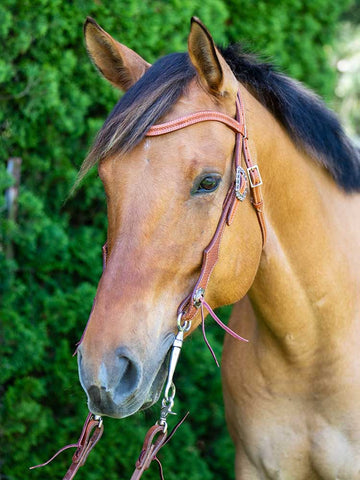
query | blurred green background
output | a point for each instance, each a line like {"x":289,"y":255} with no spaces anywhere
{"x":52,"y":103}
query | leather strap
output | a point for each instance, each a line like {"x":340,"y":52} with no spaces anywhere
{"x":90,"y":435}
{"x":193,"y":118}
{"x":236,"y":193}
{"x":149,"y":450}
{"x":152,"y":446}
{"x":253,"y":174}
{"x":209,"y":260}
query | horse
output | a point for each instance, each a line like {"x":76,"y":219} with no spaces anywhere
{"x":292,"y":392}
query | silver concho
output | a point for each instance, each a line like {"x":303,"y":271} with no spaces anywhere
{"x":240,"y":172}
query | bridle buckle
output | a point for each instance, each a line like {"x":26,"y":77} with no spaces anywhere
{"x":254,"y":176}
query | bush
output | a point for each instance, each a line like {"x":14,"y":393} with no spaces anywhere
{"x":52,"y":103}
{"x":297,"y":35}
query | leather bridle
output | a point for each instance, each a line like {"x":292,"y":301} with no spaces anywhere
{"x":237,"y":193}
{"x":189,"y":306}
{"x":157,"y":435}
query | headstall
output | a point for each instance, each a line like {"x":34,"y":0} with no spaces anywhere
{"x":157,"y":436}
{"x":236,"y":193}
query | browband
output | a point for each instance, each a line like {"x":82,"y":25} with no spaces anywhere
{"x":182,"y":122}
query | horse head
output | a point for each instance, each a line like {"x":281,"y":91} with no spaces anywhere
{"x":164,"y":198}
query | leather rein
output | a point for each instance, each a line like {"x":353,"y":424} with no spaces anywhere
{"x":157,"y":436}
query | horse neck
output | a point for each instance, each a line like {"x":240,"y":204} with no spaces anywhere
{"x":305,"y":290}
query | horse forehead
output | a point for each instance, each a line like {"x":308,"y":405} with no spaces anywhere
{"x":189,"y":150}
{"x":146,"y":166}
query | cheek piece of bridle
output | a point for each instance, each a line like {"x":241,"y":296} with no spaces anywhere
{"x":157,"y":436}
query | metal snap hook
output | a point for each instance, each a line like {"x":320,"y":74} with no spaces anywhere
{"x":185,"y":327}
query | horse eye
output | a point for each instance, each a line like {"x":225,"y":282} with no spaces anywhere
{"x":208,"y":184}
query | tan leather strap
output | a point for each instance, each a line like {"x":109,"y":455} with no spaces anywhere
{"x":190,"y":304}
{"x":154,"y":440}
{"x":236,"y":193}
{"x":253,"y":174}
{"x":91,"y":433}
{"x":193,"y":118}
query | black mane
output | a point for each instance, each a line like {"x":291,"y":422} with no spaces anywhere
{"x":309,"y":123}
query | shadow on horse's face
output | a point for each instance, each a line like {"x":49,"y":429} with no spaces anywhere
{"x":164,"y":198}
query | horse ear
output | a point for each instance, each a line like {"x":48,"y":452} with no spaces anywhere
{"x":117,"y":63}
{"x":213,"y":71}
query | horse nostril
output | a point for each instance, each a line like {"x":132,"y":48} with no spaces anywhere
{"x":113,"y":384}
{"x":128,"y":378}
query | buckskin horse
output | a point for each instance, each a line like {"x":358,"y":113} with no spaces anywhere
{"x":174,"y":156}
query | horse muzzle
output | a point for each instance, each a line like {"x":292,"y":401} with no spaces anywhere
{"x":122,"y":383}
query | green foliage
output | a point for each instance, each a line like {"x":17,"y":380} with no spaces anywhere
{"x":52,"y":104}
{"x":296,"y":35}
{"x":347,"y":60}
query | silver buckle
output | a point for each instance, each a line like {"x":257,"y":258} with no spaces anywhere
{"x":256,"y":169}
